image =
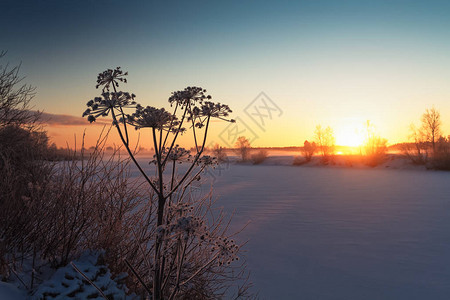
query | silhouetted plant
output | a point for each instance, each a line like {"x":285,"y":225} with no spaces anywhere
{"x":185,"y":247}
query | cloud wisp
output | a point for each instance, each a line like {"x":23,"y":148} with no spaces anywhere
{"x":67,"y":120}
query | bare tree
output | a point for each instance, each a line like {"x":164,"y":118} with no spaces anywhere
{"x":325,"y":141}
{"x":15,"y":97}
{"x":417,"y":151}
{"x":243,"y":147}
{"x":431,"y":126}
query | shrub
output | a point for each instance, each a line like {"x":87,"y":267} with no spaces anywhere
{"x":219,"y":153}
{"x":65,"y":209}
{"x":374,"y":147}
{"x":308,"y":150}
{"x":375,"y":151}
{"x":50,"y":212}
{"x":259,"y":157}
{"x":441,"y":157}
{"x":417,"y":151}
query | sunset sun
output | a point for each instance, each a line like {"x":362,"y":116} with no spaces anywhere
{"x":349,"y":136}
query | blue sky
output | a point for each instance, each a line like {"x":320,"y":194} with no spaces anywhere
{"x":336,"y":63}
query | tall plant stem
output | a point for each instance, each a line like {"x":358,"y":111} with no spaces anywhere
{"x":123,"y":120}
{"x":194,"y":162}
{"x":175,"y":137}
{"x":131,"y":154}
{"x":171,"y":124}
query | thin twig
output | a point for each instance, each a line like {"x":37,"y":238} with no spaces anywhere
{"x":138,"y":277}
{"x":89,"y":280}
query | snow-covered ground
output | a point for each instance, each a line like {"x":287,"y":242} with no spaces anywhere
{"x":336,"y":232}
{"x":341,"y":233}
{"x":10,"y":292}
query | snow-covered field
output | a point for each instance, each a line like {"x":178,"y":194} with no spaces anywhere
{"x":336,"y":232}
{"x":341,"y":233}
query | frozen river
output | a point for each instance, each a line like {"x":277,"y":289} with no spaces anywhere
{"x":336,"y":233}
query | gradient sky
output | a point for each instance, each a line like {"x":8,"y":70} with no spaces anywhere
{"x":336,"y":63}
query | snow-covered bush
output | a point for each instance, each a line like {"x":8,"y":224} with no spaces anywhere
{"x":85,"y":278}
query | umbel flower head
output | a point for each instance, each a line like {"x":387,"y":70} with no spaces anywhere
{"x":189,"y":226}
{"x":152,"y":117}
{"x":215,"y":110}
{"x":207,"y":160}
{"x":227,"y":250}
{"x":208,"y":110}
{"x":101,"y":106}
{"x":189,"y":95}
{"x":199,"y":104}
{"x":180,"y":209}
{"x":177,"y":153}
{"x":110,"y":76}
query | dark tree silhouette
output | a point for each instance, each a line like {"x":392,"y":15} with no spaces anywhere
{"x":15,"y":97}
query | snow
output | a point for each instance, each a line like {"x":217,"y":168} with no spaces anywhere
{"x":66,"y":282}
{"x":334,"y":232}
{"x":341,"y":233}
{"x":9,"y":292}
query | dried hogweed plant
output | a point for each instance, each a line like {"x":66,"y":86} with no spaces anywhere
{"x":187,"y":247}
